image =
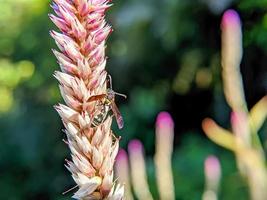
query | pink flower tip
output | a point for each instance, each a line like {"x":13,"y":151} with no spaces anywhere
{"x":238,"y":117}
{"x":122,"y":155}
{"x":164,"y":119}
{"x":230,"y":19}
{"x":135,"y":145}
{"x":212,"y":167}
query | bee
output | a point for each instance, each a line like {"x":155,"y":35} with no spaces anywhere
{"x":107,"y":106}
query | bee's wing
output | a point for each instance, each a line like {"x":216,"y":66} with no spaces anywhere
{"x":117,"y":114}
{"x":96,"y":97}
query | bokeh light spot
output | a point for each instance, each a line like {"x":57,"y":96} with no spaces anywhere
{"x":203,"y":78}
{"x":6,"y":99}
{"x":9,"y":76}
{"x":119,"y":48}
{"x":25,"y":69}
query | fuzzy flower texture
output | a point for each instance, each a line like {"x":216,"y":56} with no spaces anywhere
{"x":81,"y":41}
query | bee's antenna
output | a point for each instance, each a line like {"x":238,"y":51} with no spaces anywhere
{"x":110,"y":81}
{"x":122,"y":95}
{"x":110,"y":85}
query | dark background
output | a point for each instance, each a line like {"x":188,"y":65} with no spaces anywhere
{"x":164,"y":54}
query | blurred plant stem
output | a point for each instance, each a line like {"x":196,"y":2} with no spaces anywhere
{"x":244,"y":140}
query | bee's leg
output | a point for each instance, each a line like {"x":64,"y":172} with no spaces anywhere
{"x":70,"y":189}
{"x":112,"y":115}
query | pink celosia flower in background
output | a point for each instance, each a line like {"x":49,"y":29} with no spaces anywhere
{"x":81,"y":41}
{"x":212,"y":169}
{"x":212,"y":172}
{"x":138,"y":170}
{"x":231,"y":58}
{"x":122,"y":172}
{"x":163,"y":153}
{"x":244,"y":141}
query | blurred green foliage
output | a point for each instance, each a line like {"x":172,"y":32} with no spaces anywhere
{"x":163,"y":54}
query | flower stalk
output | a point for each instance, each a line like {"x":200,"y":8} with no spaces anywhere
{"x":81,"y":57}
{"x":163,"y":155}
{"x":122,"y":172}
{"x":135,"y":176}
{"x":243,"y":140}
{"x":138,"y":170}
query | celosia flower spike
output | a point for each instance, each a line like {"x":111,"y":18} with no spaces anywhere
{"x":81,"y":57}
